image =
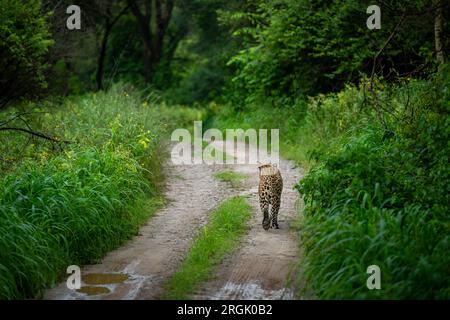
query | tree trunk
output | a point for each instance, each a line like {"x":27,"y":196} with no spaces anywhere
{"x":439,"y":31}
{"x":149,"y":55}
{"x":152,"y":41}
{"x":162,"y":23}
{"x":109,"y":24}
{"x":101,"y":57}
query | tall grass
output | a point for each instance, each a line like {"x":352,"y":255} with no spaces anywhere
{"x":370,"y":204}
{"x":70,"y":211}
{"x":378,"y":195}
{"x":71,"y":206}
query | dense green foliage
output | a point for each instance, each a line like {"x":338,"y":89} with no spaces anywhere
{"x":217,"y":238}
{"x":305,"y":47}
{"x":71,"y":207}
{"x":24,"y":41}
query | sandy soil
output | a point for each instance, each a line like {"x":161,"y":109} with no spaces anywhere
{"x":261,"y":268}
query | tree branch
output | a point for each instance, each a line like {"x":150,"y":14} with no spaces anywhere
{"x":383,"y":47}
{"x":121,"y":13}
{"x":34,"y":133}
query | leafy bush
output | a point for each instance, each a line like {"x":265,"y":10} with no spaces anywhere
{"x":296,"y":47}
{"x":24,"y":41}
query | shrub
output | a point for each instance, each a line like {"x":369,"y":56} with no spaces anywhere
{"x":24,"y":42}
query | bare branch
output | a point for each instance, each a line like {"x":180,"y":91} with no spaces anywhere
{"x":34,"y":133}
{"x":384,"y":46}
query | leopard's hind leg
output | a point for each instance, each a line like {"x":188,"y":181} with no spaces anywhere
{"x":274,"y":215}
{"x":264,"y":204}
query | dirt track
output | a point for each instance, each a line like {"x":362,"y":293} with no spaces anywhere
{"x":263,"y":266}
{"x":259,"y":269}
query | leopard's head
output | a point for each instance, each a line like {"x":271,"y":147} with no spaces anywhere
{"x":267,"y":169}
{"x":262,"y":166}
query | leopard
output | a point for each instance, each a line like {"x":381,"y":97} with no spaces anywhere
{"x":270,"y":189}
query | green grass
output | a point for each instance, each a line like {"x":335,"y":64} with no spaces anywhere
{"x":72,"y":205}
{"x":375,"y":202}
{"x":217,"y":238}
{"x":234,"y":178}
